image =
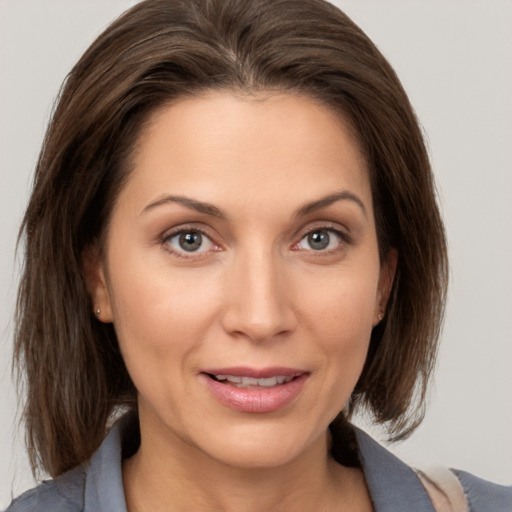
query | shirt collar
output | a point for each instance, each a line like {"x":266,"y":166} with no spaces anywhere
{"x":393,"y":486}
{"x":104,"y":488}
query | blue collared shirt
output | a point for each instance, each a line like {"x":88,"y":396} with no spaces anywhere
{"x":97,"y":486}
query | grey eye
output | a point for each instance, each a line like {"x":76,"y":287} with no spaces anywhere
{"x":319,"y":240}
{"x":190,"y":241}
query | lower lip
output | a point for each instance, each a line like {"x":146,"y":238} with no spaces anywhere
{"x":256,"y":400}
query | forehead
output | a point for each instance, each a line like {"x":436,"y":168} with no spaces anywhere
{"x":222,"y":146}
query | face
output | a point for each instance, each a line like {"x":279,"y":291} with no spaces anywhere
{"x":242,"y":275}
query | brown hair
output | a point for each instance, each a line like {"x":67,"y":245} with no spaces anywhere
{"x":69,"y":362}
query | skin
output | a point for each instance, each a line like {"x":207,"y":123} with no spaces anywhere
{"x":256,"y":293}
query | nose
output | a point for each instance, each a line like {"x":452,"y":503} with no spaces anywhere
{"x":259,"y":292}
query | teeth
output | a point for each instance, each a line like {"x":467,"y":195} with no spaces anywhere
{"x":250,"y":382}
{"x":231,"y":378}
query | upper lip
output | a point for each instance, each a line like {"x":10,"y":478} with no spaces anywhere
{"x":256,"y":373}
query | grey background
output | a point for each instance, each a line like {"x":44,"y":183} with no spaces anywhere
{"x":455,"y":60}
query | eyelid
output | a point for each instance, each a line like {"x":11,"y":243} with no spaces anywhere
{"x":331,"y":227}
{"x":336,"y":228}
{"x":184,"y":228}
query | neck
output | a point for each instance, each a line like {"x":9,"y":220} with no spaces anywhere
{"x":169,"y":475}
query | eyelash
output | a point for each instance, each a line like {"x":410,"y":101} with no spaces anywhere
{"x":192,"y":255}
{"x":344,"y":237}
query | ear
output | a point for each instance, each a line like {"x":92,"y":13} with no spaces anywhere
{"x":96,"y":284}
{"x":386,"y":278}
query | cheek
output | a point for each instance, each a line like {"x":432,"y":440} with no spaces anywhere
{"x":339,"y":314}
{"x":341,"y":302}
{"x":161,"y":328}
{"x":159,"y":316}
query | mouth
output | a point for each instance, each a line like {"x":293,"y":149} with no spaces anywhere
{"x":246,"y":382}
{"x":255,"y":391}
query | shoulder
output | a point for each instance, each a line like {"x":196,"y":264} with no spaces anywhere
{"x":455,"y":490}
{"x":64,"y":494}
{"x":484,"y":496}
{"x":393,"y":485}
{"x":95,"y":485}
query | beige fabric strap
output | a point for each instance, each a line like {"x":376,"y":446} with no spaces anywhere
{"x":444,"y":489}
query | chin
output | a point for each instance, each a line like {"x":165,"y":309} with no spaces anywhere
{"x":261,"y":446}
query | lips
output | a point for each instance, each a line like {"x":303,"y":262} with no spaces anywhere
{"x":255,"y":390}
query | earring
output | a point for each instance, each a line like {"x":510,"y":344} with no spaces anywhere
{"x":98,"y":312}
{"x":380,"y":316}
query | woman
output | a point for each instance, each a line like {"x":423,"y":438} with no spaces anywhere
{"x":229,"y":225}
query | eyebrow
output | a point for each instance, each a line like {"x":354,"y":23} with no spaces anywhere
{"x":209,"y":209}
{"x":193,"y":204}
{"x":328,"y":200}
